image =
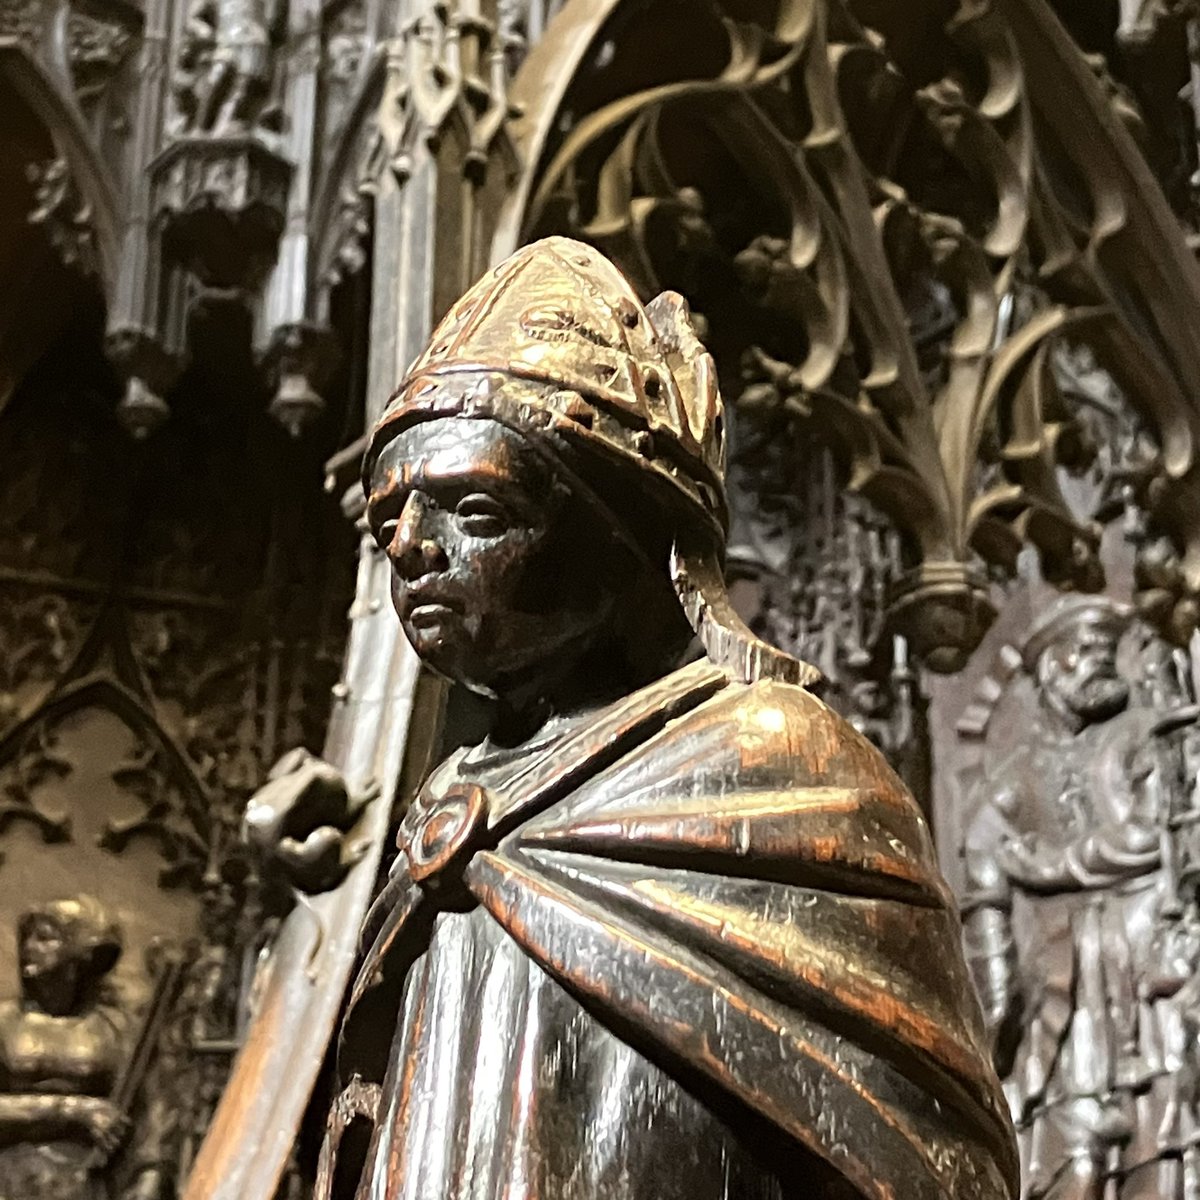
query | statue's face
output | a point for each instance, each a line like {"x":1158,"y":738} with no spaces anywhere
{"x":1086,"y":677}
{"x":493,"y":578}
{"x":49,"y":964}
{"x":44,"y":947}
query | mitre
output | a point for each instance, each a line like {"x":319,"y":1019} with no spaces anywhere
{"x":576,"y":352}
{"x":554,"y":341}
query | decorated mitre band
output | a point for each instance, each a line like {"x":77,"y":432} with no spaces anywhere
{"x":555,"y":338}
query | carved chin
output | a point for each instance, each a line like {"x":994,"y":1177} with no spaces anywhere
{"x":442,"y":646}
{"x":433,"y":640}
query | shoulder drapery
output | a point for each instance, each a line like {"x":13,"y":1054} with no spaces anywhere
{"x":749,"y":895}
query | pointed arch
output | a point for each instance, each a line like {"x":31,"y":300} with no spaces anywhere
{"x":49,"y":100}
{"x":852,"y":223}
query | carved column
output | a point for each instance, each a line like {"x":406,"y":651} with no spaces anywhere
{"x":148,"y":312}
{"x":443,"y":123}
{"x":299,"y":345}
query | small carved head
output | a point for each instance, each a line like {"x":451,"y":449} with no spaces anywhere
{"x":65,"y":948}
{"x":529,"y":475}
{"x":1072,"y":656}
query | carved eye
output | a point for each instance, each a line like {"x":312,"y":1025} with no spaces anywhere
{"x":481,"y":516}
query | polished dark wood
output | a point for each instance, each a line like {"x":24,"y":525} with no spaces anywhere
{"x":673,"y":927}
{"x":941,"y":255}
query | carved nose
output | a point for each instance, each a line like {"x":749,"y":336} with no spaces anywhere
{"x":431,"y":556}
{"x":413,"y":552}
{"x":421,"y":556}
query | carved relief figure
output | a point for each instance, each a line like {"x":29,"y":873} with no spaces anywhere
{"x":1081,"y":922}
{"x":673,"y":928}
{"x":61,"y":1045}
{"x":224,"y":69}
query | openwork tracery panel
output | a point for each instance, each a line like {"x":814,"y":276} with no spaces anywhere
{"x":890,"y":226}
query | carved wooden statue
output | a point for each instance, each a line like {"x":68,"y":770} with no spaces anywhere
{"x":224,"y":66}
{"x":673,"y":929}
{"x":61,"y":1047}
{"x":1082,"y":923}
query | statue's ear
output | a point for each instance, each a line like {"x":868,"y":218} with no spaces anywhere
{"x":693,"y":370}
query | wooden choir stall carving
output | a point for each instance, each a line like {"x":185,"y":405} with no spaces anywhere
{"x":630,"y":878}
{"x":1077,"y":782}
{"x":673,"y":925}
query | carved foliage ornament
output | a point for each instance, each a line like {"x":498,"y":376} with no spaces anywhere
{"x":64,"y":214}
{"x":879,"y":190}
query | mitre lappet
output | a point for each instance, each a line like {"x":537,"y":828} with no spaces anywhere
{"x":687,"y":939}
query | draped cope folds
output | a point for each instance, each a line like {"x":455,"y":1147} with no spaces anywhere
{"x":732,"y":879}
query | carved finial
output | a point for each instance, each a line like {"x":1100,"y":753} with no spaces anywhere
{"x":141,"y":410}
